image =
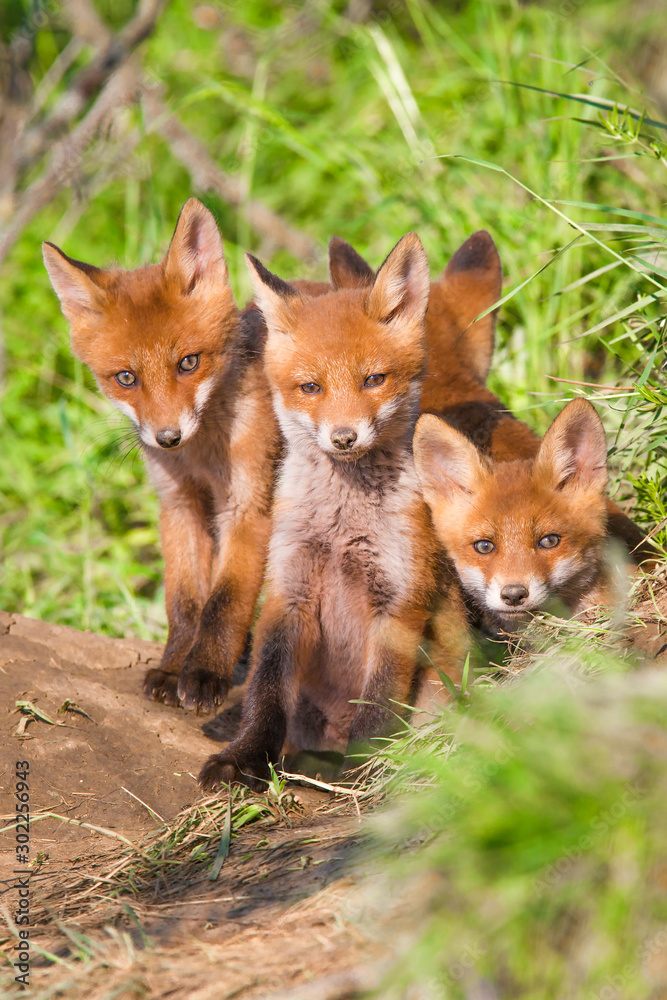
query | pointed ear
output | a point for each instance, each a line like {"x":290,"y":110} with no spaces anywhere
{"x":347,"y":268}
{"x":472,"y":282}
{"x":74,"y":283}
{"x":573,"y":452}
{"x":449,"y":466}
{"x":195,"y":256}
{"x":273,"y":295}
{"x":399,"y":295}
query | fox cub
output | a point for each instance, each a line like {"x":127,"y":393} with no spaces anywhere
{"x":460,"y":352}
{"x":355,"y":571}
{"x":526,"y":533}
{"x":169,"y":348}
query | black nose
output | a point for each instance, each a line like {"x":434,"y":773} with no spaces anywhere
{"x":343,"y":438}
{"x":168,"y":437}
{"x":514,"y":594}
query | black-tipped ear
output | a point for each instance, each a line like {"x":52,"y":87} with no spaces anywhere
{"x":347,"y":268}
{"x":195,"y":256}
{"x":478,"y":253}
{"x":449,"y":466}
{"x":573,"y":452}
{"x":268,"y":278}
{"x":472,"y":282}
{"x":399,"y":296}
{"x":74,"y":282}
{"x":273,"y":295}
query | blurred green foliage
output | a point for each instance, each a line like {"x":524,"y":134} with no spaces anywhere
{"x":340,"y":127}
{"x":534,"y":838}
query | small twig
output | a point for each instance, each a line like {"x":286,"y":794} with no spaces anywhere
{"x":93,"y":77}
{"x":316,"y":783}
{"x":66,"y":157}
{"x":193,"y":902}
{"x":86,"y":826}
{"x":153,"y":813}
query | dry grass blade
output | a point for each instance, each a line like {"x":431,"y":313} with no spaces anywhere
{"x":324,"y":786}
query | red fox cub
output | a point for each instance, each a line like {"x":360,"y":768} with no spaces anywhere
{"x":169,"y":348}
{"x":522,"y":533}
{"x":459,"y":357}
{"x":354,"y":569}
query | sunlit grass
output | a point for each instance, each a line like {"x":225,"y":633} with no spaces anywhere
{"x":367,"y":131}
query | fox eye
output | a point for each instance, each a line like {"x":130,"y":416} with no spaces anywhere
{"x":189,"y":363}
{"x":374,"y":380}
{"x":310,"y":388}
{"x":549,"y":541}
{"x":483,"y":546}
{"x":125,"y":378}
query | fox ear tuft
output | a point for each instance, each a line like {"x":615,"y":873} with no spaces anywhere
{"x":347,"y":268}
{"x":472,"y":282}
{"x":573,"y":452}
{"x":449,"y":466}
{"x":73,"y":282}
{"x":273,"y":295}
{"x":400,"y":292}
{"x":195,"y":255}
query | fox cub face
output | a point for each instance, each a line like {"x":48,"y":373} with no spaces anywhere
{"x":345,"y":368}
{"x":525,"y":531}
{"x":155,"y":338}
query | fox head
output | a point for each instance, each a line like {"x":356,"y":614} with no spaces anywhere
{"x":525,"y":531}
{"x":346,"y":367}
{"x":470,"y":284}
{"x":156,"y":338}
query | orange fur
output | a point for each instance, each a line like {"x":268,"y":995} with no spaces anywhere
{"x":208,"y":436}
{"x":459,"y":357}
{"x":524,"y":534}
{"x":354,"y":571}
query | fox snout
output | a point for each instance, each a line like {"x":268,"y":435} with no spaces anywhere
{"x":348,"y":442}
{"x":165,"y":433}
{"x":168,"y":437}
{"x":343,"y":438}
{"x":514,"y":594}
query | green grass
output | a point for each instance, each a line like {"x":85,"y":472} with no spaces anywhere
{"x":366,"y":131}
{"x":536,"y":809}
{"x":532,"y":828}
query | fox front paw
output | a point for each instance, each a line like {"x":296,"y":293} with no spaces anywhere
{"x":159,"y":685}
{"x":201,"y":689}
{"x":229,"y":768}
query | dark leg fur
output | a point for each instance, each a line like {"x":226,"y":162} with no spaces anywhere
{"x":200,"y":685}
{"x":376,"y":718}
{"x":264,"y":725}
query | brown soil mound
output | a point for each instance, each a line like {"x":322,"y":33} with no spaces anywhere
{"x":281,"y":910}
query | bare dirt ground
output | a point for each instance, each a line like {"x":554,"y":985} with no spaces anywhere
{"x":293,"y":911}
{"x":285,"y":909}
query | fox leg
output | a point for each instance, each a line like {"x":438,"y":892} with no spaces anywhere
{"x":391,"y":662}
{"x":187,"y":548}
{"x":226,"y":617}
{"x":285,"y":637}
